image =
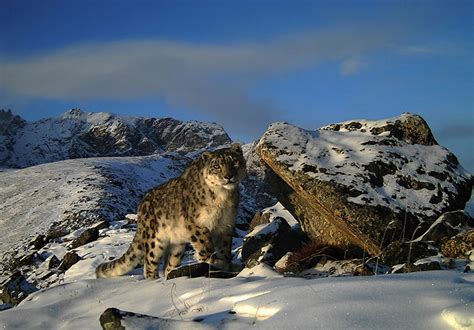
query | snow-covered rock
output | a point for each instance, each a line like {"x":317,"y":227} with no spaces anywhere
{"x":364,"y":183}
{"x":78,"y":134}
{"x":268,"y":242}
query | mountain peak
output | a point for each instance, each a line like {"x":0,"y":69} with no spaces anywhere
{"x":80,"y":134}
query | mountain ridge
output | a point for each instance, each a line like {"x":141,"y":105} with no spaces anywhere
{"x":79,"y":134}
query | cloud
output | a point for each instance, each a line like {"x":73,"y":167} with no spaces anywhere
{"x":213,"y":79}
{"x":351,"y":66}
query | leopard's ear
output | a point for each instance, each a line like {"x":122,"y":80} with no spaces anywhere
{"x":206,"y":155}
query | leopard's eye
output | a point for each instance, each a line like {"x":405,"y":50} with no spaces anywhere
{"x":215,"y":166}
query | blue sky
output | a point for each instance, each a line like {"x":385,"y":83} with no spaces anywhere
{"x":244,"y":64}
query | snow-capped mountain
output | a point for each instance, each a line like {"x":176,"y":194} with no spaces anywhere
{"x":78,"y":134}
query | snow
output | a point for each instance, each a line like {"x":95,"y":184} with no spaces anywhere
{"x":35,"y":198}
{"x":257,"y":297}
{"x":67,"y":136}
{"x":279,"y":211}
{"x":428,"y":300}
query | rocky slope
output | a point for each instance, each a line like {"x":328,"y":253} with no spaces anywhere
{"x":78,"y":134}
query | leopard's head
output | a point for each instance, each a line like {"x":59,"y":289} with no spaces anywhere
{"x":224,"y":167}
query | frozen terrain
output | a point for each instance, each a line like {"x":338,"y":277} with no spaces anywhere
{"x":257,"y":297}
{"x":73,"y":193}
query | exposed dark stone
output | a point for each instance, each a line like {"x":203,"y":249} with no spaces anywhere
{"x":56,"y":233}
{"x":69,"y":259}
{"x":410,"y":267}
{"x":412,"y":183}
{"x":115,"y":319}
{"x":16,"y":288}
{"x":271,"y":243}
{"x":39,"y":241}
{"x":377,"y":170}
{"x":111,"y":319}
{"x":101,"y":225}
{"x":4,"y":307}
{"x":399,"y":253}
{"x":53,"y":262}
{"x":353,"y":126}
{"x":259,"y":218}
{"x":414,"y":130}
{"x":25,"y":259}
{"x":89,"y":235}
{"x":200,"y":270}
{"x":449,"y":224}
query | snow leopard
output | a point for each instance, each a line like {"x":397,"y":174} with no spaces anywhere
{"x":198,"y":207}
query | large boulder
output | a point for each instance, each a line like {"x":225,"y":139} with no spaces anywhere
{"x":361,"y":185}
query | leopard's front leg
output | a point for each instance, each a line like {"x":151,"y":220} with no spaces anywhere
{"x":201,"y":240}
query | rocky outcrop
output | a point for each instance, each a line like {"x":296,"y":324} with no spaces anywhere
{"x":9,"y":125}
{"x":269,"y":242}
{"x":361,"y":185}
{"x":15,"y":288}
{"x":78,"y":134}
{"x":200,"y":270}
{"x":69,"y":259}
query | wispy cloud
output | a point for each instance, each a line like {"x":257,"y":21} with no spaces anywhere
{"x":213,"y":79}
{"x":352,"y":66}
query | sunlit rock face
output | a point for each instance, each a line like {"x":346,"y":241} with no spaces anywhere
{"x":364,"y":184}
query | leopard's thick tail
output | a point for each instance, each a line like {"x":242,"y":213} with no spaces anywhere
{"x":131,"y":259}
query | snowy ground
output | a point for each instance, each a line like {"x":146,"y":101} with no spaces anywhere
{"x":258,"y":297}
{"x":76,"y":192}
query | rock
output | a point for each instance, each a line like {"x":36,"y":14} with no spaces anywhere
{"x":446,"y":226}
{"x":89,"y":235}
{"x":56,"y":233}
{"x":69,"y":259}
{"x":285,"y":264}
{"x":199,"y":270}
{"x":260,"y":218}
{"x":39,"y":241}
{"x":101,"y":225}
{"x":25,"y":259}
{"x":4,"y":307}
{"x":361,"y":185}
{"x":16,"y":288}
{"x":52,"y":262}
{"x":419,"y":267}
{"x":399,"y":252}
{"x":269,"y":242}
{"x":115,"y":319}
{"x":459,"y":246}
